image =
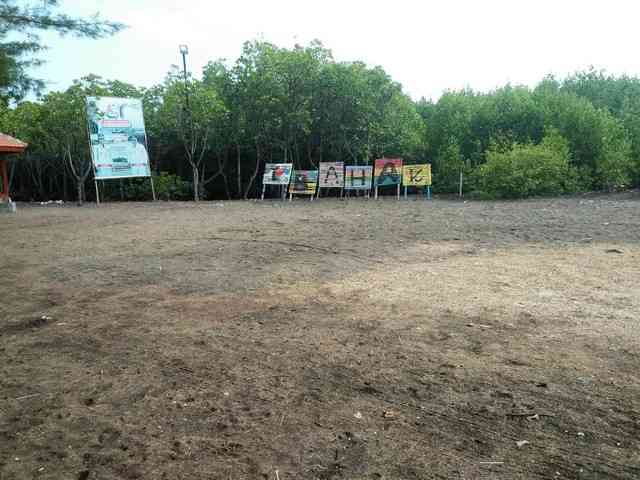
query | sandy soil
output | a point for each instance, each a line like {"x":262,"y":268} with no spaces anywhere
{"x":326,"y":340}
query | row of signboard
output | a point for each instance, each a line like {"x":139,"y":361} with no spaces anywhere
{"x":385,"y":172}
{"x":119,"y":150}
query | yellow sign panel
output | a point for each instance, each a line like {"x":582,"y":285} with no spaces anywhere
{"x":416,"y":175}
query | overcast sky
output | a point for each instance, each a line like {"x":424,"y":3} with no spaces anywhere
{"x":428,"y":46}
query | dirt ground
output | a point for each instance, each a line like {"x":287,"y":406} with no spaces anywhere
{"x":327,"y":340}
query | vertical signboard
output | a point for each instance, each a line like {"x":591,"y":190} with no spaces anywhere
{"x":117,"y":137}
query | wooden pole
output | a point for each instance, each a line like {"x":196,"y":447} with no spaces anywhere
{"x":460,"y":192}
{"x":153,"y":189}
{"x":95,"y":181}
{"x":398,"y":192}
{"x":93,"y":159}
{"x":5,"y":180}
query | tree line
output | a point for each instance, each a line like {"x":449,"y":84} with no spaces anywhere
{"x":210,"y":137}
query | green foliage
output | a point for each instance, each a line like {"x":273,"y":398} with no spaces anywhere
{"x":299,"y":105}
{"x":528,"y":170}
{"x":20,"y":44}
{"x":171,"y":187}
{"x":448,"y":165}
{"x":190,"y":113}
{"x":168,"y":187}
{"x":595,"y":113}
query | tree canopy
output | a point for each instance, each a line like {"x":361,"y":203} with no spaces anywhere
{"x":211,"y":136}
{"x":20,"y":44}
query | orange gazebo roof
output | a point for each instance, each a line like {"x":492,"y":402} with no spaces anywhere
{"x":8,"y":144}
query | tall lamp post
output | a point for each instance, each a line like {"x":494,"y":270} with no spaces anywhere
{"x":184,"y":50}
{"x":188,"y":119}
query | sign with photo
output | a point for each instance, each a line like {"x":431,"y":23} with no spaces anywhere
{"x":117,"y":137}
{"x":277,"y":174}
{"x":304,"y":182}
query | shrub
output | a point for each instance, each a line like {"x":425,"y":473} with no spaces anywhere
{"x":167,"y":186}
{"x":528,"y":170}
{"x":447,"y":167}
{"x":172,"y":187}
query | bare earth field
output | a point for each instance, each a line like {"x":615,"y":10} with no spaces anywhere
{"x":326,"y":340}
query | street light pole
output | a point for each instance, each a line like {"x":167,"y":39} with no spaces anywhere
{"x":188,"y":123}
{"x":184,"y":50}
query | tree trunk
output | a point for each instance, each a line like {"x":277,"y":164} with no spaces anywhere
{"x":226,"y":185}
{"x":51,"y":185}
{"x":254,"y":174}
{"x":196,"y":182}
{"x":80,"y":189}
{"x":239,"y":170}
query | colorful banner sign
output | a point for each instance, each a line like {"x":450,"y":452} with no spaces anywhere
{"x":358,"y":177}
{"x":304,"y":182}
{"x":277,"y":174}
{"x":331,"y":174}
{"x":117,"y":137}
{"x":416,"y":175}
{"x":388,"y":171}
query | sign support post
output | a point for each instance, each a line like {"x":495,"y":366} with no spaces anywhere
{"x":93,"y":166}
{"x":146,"y":145}
{"x":95,"y":181}
{"x":153,"y":188}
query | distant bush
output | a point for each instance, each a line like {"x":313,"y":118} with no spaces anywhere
{"x":527,"y":170}
{"x":167,"y":186}
{"x":172,"y":187}
{"x":447,"y":167}
{"x":615,"y":167}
